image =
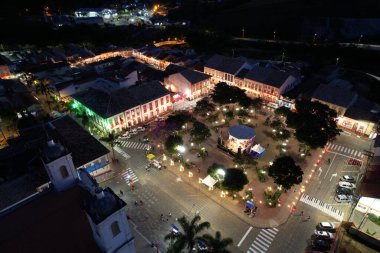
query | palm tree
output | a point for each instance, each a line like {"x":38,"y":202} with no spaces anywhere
{"x":186,"y":240}
{"x":216,"y":244}
{"x":111,"y":140}
{"x":43,"y":87}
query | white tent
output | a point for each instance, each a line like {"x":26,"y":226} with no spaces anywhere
{"x":258,"y":149}
{"x":209,"y":181}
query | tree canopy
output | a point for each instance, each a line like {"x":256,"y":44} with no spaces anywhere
{"x":212,"y":170}
{"x":200,"y":132}
{"x":314,"y":123}
{"x":226,"y":94}
{"x":178,"y":119}
{"x":234,"y":180}
{"x":204,"y":106}
{"x":285,"y":172}
{"x":216,"y":244}
{"x":172,"y":142}
{"x":186,"y":238}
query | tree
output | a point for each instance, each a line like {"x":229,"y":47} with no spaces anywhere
{"x":8,"y":116}
{"x":226,"y":94}
{"x":178,"y":119}
{"x":216,"y":244}
{"x":234,"y":180}
{"x":186,"y":238}
{"x":204,"y":106}
{"x":85,"y":120}
{"x":244,"y":160}
{"x":282,"y":111}
{"x":111,"y":140}
{"x":314,"y":123}
{"x":285,"y":172}
{"x":212,"y":170}
{"x":43,"y":87}
{"x":172,"y":142}
{"x":200,"y":132}
{"x":257,"y":103}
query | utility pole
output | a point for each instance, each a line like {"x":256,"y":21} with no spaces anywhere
{"x":283,"y":56}
{"x":274,"y":35}
{"x":242,"y":32}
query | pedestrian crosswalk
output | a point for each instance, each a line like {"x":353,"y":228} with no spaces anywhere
{"x":326,"y":208}
{"x":331,"y":147}
{"x":263,"y":240}
{"x":129,"y":176}
{"x":121,"y":152}
{"x":134,"y":145}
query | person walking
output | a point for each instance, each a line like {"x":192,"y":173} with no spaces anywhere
{"x":301,"y":213}
{"x":121,"y":192}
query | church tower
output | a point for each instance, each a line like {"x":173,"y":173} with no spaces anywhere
{"x":59,"y":166}
{"x":108,"y":218}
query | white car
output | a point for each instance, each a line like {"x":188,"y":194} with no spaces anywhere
{"x":140,"y":129}
{"x":126,"y":134}
{"x":156,"y":164}
{"x":341,"y":198}
{"x":347,"y":185}
{"x":325,"y":226}
{"x":347,"y":178}
{"x":324,"y":234}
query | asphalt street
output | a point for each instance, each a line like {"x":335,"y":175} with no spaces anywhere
{"x":162,"y":192}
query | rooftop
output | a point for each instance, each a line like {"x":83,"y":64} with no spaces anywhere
{"x":44,"y":224}
{"x":363,"y":109}
{"x":267,"y":76}
{"x":241,"y":132}
{"x":334,"y":95}
{"x":225,"y":64}
{"x":107,"y":105}
{"x":194,"y":76}
{"x":100,"y":208}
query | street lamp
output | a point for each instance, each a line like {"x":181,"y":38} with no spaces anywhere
{"x":274,"y":35}
{"x":360,"y":38}
{"x":315,"y":37}
{"x":337,"y":61}
{"x":181,"y":149}
{"x":242,"y":32}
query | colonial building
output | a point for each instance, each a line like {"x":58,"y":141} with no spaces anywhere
{"x":123,"y":108}
{"x":266,"y":83}
{"x":190,"y":83}
{"x":224,"y":69}
{"x":73,"y":214}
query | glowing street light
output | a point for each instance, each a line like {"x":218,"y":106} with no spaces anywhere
{"x":221,"y":172}
{"x":181,"y":149}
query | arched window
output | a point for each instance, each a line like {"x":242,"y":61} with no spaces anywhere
{"x":64,"y":172}
{"x":115,"y":228}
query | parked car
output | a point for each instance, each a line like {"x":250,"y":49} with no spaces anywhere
{"x":341,"y":198}
{"x":342,"y":190}
{"x":125,"y":134}
{"x":320,"y":245}
{"x":347,"y":178}
{"x":159,"y":119}
{"x":156,"y":164}
{"x":326,"y":226}
{"x":133,"y":132}
{"x":146,"y":140}
{"x":323,"y":235}
{"x":140,"y":129}
{"x":347,"y":185}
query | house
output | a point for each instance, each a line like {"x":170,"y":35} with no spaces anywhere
{"x":266,"y":83}
{"x":95,"y":12}
{"x":224,"y":69}
{"x":189,"y":82}
{"x":336,"y":97}
{"x":124,"y":107}
{"x":6,"y":67}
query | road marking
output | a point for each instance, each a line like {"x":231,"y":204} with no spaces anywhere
{"x":326,"y":208}
{"x":330,"y":166}
{"x":263,"y":240}
{"x":244,"y":236}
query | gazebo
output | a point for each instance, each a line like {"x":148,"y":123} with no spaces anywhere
{"x":240,"y":136}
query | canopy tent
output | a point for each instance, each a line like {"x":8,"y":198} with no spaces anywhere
{"x":249,"y":204}
{"x":257,"y":151}
{"x":150,"y":156}
{"x":175,"y":229}
{"x":209,"y":181}
{"x":96,"y":166}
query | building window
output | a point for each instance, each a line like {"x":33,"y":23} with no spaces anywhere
{"x":151,"y":106}
{"x":144,"y":108}
{"x":115,"y":228}
{"x":64,"y":172}
{"x":167,"y":99}
{"x":156,"y":103}
{"x":162,"y":101}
